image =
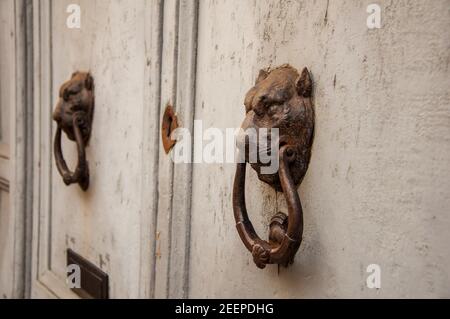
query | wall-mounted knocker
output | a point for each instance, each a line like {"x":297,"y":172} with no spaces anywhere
{"x":281,"y":98}
{"x":73,"y":115}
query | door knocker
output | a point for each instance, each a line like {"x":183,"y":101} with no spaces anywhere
{"x":281,"y":98}
{"x":73,"y":115}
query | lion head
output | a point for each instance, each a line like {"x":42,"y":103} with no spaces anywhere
{"x":281,"y":98}
{"x":76,"y":96}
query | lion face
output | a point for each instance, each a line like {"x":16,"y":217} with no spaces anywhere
{"x":76,"y":96}
{"x":281,"y":98}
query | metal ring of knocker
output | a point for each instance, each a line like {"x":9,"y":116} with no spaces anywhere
{"x":73,"y":114}
{"x":283,"y":94}
{"x":81,"y":173}
{"x":285,"y":231}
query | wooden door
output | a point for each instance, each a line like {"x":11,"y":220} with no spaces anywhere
{"x":376,"y":192}
{"x":370,"y":195}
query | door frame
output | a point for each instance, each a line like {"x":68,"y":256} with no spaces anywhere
{"x":178,"y":77}
{"x":20,"y":149}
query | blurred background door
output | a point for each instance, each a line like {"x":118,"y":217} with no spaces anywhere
{"x":111,"y":224}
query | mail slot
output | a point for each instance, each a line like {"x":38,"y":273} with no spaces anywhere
{"x":94,"y":282}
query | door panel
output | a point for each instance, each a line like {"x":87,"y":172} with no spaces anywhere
{"x":104,"y":223}
{"x":367,"y":194}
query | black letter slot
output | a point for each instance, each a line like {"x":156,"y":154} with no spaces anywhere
{"x":94,"y":282}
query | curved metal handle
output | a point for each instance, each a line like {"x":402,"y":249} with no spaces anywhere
{"x":81,"y":173}
{"x":285,"y":231}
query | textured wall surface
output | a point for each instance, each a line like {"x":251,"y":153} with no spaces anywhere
{"x":378,"y":186}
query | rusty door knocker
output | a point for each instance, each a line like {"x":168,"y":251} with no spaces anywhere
{"x":281,"y":98}
{"x":73,"y":115}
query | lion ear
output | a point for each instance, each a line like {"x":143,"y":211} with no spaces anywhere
{"x":261,"y":76}
{"x":304,"y":84}
{"x":89,"y":81}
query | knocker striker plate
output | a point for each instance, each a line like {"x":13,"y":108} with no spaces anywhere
{"x":169,"y":124}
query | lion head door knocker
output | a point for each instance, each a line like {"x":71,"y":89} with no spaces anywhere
{"x":281,"y":98}
{"x":73,"y":115}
